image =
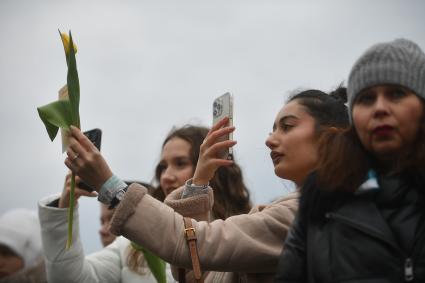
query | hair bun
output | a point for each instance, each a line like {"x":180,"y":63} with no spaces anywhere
{"x":339,"y":94}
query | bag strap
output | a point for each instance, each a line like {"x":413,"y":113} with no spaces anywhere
{"x":190,"y":235}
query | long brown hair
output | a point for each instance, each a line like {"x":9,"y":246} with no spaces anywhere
{"x":344,"y":162}
{"x":231,"y":195}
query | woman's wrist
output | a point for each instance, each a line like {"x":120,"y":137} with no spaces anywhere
{"x":103,"y":180}
{"x":62,"y":203}
{"x":110,"y":188}
{"x":197,"y":181}
{"x":192,"y":189}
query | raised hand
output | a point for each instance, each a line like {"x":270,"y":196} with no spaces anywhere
{"x":85,"y":160}
{"x":64,"y":199}
{"x":209,"y":160}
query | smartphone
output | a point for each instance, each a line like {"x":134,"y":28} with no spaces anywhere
{"x":223,"y":107}
{"x":95,"y":136}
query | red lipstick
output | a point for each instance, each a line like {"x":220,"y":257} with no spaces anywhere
{"x":383,"y":130}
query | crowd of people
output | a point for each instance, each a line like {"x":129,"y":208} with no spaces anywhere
{"x":355,"y":154}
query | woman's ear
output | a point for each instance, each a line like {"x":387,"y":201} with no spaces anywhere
{"x":333,"y":129}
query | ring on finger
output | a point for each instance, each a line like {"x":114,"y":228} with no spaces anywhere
{"x":75,"y":157}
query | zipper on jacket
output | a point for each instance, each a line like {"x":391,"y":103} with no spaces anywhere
{"x":408,"y":263}
{"x":408,"y":270}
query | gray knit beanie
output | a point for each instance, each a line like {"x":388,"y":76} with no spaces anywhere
{"x":399,"y":62}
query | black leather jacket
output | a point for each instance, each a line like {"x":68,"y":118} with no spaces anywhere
{"x":366,"y":237}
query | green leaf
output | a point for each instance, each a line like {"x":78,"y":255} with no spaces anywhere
{"x":73,"y":84}
{"x":156,"y":265}
{"x":55,"y":115}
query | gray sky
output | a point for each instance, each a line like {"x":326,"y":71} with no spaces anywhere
{"x":146,"y":66}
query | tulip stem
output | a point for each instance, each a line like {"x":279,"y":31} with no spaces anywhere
{"x":71,"y":211}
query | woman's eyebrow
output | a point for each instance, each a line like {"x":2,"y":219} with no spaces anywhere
{"x":283,"y":120}
{"x":287,"y":117}
{"x":181,"y":157}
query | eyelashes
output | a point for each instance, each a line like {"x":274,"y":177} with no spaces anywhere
{"x":178,"y":163}
{"x":285,"y":126}
{"x":370,"y":97}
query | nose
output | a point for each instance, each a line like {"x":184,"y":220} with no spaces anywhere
{"x":271,"y":142}
{"x":381,"y":106}
{"x":103,"y":229}
{"x":167,"y":176}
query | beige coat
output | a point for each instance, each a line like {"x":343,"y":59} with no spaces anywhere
{"x":246,"y":247}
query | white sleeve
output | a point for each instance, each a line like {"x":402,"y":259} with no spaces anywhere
{"x":71,"y":265}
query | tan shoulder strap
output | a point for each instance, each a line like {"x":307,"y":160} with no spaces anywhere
{"x":190,"y":235}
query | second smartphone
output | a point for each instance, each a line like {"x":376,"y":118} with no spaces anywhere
{"x":223,"y":107}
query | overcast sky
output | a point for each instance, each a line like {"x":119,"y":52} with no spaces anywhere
{"x":146,"y":66}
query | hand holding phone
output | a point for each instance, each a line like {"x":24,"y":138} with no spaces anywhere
{"x":95,"y":136}
{"x":216,"y":149}
{"x":223,"y":107}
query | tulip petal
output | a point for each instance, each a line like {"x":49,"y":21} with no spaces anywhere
{"x":65,"y":42}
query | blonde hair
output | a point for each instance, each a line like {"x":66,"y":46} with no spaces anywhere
{"x":136,"y":261}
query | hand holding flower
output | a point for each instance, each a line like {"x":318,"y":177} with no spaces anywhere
{"x":65,"y":197}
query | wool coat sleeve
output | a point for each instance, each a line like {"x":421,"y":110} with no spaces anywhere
{"x":198,"y":207}
{"x":244,"y":243}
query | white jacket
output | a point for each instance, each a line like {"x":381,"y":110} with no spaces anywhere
{"x":107,"y":265}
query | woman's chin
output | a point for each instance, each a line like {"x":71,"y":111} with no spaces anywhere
{"x":280,"y":173}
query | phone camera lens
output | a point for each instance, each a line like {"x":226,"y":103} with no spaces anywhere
{"x":217,"y":108}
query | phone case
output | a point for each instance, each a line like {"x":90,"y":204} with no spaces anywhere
{"x":95,"y":136}
{"x":223,"y":107}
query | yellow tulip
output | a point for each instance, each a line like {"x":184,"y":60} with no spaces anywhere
{"x":65,"y":41}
